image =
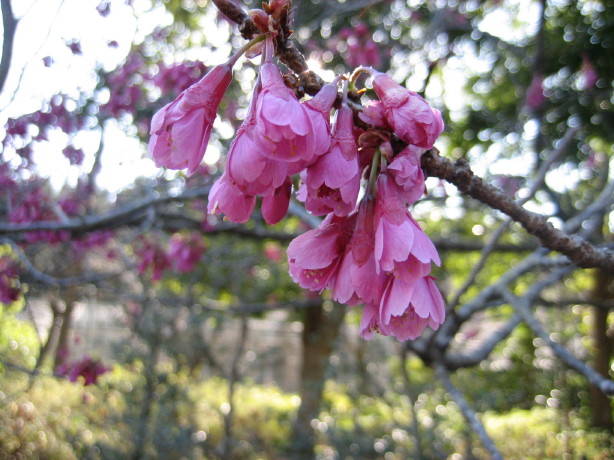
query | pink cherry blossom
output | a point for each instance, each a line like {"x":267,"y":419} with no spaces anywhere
{"x":406,"y":172}
{"x":284,"y":128}
{"x":227,"y":199}
{"x":373,"y":114}
{"x":409,"y":115}
{"x":332,"y":183}
{"x":249,"y":169}
{"x":407,"y":308}
{"x":180,"y":131}
{"x":315,"y":255}
{"x":275,"y":206}
{"x":318,"y":109}
{"x":369,"y":322}
{"x":394,"y":232}
{"x":359,"y":279}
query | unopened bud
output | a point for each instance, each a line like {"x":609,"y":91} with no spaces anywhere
{"x":278,"y":5}
{"x":260,"y":18}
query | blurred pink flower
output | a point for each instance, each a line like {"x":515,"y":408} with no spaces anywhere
{"x":272,"y":251}
{"x":589,"y":74}
{"x":74,"y":46}
{"x":175,"y":78}
{"x":75,"y":156}
{"x":535,"y":96}
{"x":9,"y":280}
{"x":88,"y":368}
{"x":185,"y":252}
{"x":152,"y":256}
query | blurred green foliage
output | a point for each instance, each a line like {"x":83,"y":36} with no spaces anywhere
{"x":59,"y":420}
{"x":160,"y":403}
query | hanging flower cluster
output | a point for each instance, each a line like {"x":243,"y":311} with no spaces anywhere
{"x":368,"y":249}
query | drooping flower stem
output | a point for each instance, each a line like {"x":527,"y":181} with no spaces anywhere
{"x":358,"y":71}
{"x":235,"y":57}
{"x":373,"y":173}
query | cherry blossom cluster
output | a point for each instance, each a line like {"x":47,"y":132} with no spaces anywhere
{"x":361,"y":49}
{"x":361,"y":171}
{"x":32,"y":205}
{"x":182,"y":255}
{"x":23,"y":132}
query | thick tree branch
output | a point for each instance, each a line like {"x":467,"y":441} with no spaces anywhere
{"x":32,"y":273}
{"x":459,"y":173}
{"x":129,"y":214}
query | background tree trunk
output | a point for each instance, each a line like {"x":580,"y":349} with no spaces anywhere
{"x":603,"y":343}
{"x":320,"y":329}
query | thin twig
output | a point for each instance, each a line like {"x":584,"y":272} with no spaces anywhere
{"x":523,"y":307}
{"x":233,"y":379}
{"x":469,"y":414}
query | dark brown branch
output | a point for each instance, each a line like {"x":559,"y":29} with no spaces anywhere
{"x":235,"y":14}
{"x":124,"y":215}
{"x":10,"y":25}
{"x":286,"y":50}
{"x":579,"y":251}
